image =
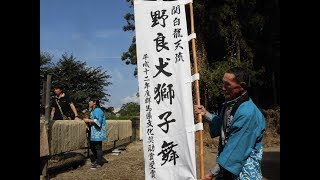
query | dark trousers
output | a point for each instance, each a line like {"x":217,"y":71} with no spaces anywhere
{"x":96,"y":149}
{"x":225,"y":175}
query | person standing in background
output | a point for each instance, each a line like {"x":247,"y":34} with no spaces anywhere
{"x":62,"y":105}
{"x":97,"y":124}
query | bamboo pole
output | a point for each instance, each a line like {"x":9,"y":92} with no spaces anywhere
{"x":195,"y":65}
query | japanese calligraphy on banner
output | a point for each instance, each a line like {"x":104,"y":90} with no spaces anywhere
{"x":164,"y":75}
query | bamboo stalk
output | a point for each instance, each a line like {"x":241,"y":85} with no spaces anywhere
{"x":195,"y":65}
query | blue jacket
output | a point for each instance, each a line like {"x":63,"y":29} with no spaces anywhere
{"x":98,"y":128}
{"x":243,"y":151}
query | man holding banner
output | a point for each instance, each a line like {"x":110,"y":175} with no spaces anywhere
{"x":166,"y":105}
{"x":241,"y":127}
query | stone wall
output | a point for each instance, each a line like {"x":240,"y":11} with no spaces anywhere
{"x":70,"y":135}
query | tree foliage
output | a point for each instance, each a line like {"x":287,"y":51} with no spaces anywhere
{"x":78,"y":80}
{"x":130,"y":56}
{"x":212,"y":77}
{"x":130,"y":109}
{"x":234,"y":33}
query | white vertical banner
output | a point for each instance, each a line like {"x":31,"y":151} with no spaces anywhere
{"x":165,"y":88}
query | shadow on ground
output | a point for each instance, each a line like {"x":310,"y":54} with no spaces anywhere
{"x":65,"y":162}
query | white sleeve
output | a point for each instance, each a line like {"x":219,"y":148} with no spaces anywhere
{"x":215,"y":170}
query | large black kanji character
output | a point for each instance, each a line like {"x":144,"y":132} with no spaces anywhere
{"x":166,"y":121}
{"x":160,"y":42}
{"x":168,"y":154}
{"x":156,"y":16}
{"x":161,"y":68}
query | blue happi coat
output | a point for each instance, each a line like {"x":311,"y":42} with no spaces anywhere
{"x":98,"y":128}
{"x":242,"y":153}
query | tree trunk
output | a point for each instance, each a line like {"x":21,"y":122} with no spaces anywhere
{"x":238,"y":50}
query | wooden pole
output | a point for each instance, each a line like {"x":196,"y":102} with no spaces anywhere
{"x":47,"y":118}
{"x":43,"y":100}
{"x":87,"y":133}
{"x":47,"y":107}
{"x":195,"y":65}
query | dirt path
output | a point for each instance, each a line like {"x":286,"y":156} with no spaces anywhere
{"x":129,"y":164}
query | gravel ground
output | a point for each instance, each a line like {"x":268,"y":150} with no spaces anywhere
{"x":129,"y":164}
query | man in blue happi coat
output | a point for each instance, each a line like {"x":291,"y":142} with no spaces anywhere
{"x":241,"y":127}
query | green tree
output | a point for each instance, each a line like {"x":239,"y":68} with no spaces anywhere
{"x":212,"y":80}
{"x":234,"y":32}
{"x":130,"y":56}
{"x":45,"y":66}
{"x":130,"y":109}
